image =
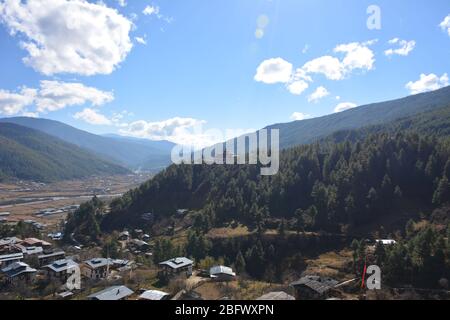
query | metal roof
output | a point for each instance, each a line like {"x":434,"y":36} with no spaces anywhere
{"x":112,"y":293}
{"x":17,"y":268}
{"x":53,"y":254}
{"x":12,"y":256}
{"x":153,"y":295}
{"x":221,"y":270}
{"x":98,"y":262}
{"x":276,"y":295}
{"x":9,"y":240}
{"x":177,"y":263}
{"x":62,"y":265}
{"x":316,"y":283}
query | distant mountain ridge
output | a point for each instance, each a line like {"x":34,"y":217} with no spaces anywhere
{"x":129,"y":152}
{"x":311,"y":130}
{"x":29,"y":154}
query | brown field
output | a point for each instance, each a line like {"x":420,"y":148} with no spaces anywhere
{"x":24,"y":198}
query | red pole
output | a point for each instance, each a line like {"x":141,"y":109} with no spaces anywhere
{"x":364,"y":272}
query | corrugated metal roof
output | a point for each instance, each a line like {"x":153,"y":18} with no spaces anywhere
{"x":153,"y":295}
{"x":112,"y":293}
{"x":276,"y":295}
{"x":316,"y":283}
{"x":216,"y":270}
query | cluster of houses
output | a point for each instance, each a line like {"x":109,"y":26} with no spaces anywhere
{"x":53,"y":211}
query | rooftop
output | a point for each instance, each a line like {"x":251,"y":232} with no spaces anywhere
{"x":9,"y":240}
{"x":112,"y":293}
{"x":177,"y":263}
{"x":153,"y":295}
{"x":53,"y":254}
{"x":62,"y":265}
{"x":276,"y":295}
{"x":16,"y":269}
{"x":221,"y":270}
{"x":11,"y":256}
{"x":98,"y":262}
{"x":316,"y":283}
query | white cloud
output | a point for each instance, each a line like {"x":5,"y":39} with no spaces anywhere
{"x":318,"y":94}
{"x":327,"y":65}
{"x":276,"y":70}
{"x":51,"y":96}
{"x":428,"y":82}
{"x":62,"y":36}
{"x":297,"y":87}
{"x":141,"y":40}
{"x":184,"y":131}
{"x":344,"y":106}
{"x":404,"y":47}
{"x":445,"y":24}
{"x":149,"y":10}
{"x":299,"y":116}
{"x":357,"y":56}
{"x":12,"y":103}
{"x":55,"y":95}
{"x":155,"y":11}
{"x":92,"y":116}
{"x":122,"y":3}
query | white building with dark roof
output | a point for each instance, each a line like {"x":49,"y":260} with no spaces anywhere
{"x":61,"y":269}
{"x":177,"y":266}
{"x":96,"y":268}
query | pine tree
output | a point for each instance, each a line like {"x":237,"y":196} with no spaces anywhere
{"x":442,"y":192}
{"x":239,"y":263}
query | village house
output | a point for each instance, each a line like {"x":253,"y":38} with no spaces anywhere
{"x":96,"y":268}
{"x":48,"y":258}
{"x":137,"y":245}
{"x":154,"y":295}
{"x":18,"y":271}
{"x":121,"y":264}
{"x":177,"y":266}
{"x":112,"y":293}
{"x":7,"y":259}
{"x":7,"y":243}
{"x":222,"y":273}
{"x":61,"y":269}
{"x":33,"y":242}
{"x":313,"y":287}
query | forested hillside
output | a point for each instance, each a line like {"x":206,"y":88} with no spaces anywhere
{"x":32,"y":155}
{"x":128,"y":152}
{"x":310,"y":130}
{"x":323,"y":186}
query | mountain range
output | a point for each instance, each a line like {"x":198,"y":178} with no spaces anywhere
{"x":29,"y":154}
{"x":125,"y":153}
{"x":128,"y":152}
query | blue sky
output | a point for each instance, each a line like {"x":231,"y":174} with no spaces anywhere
{"x":200,"y":61}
